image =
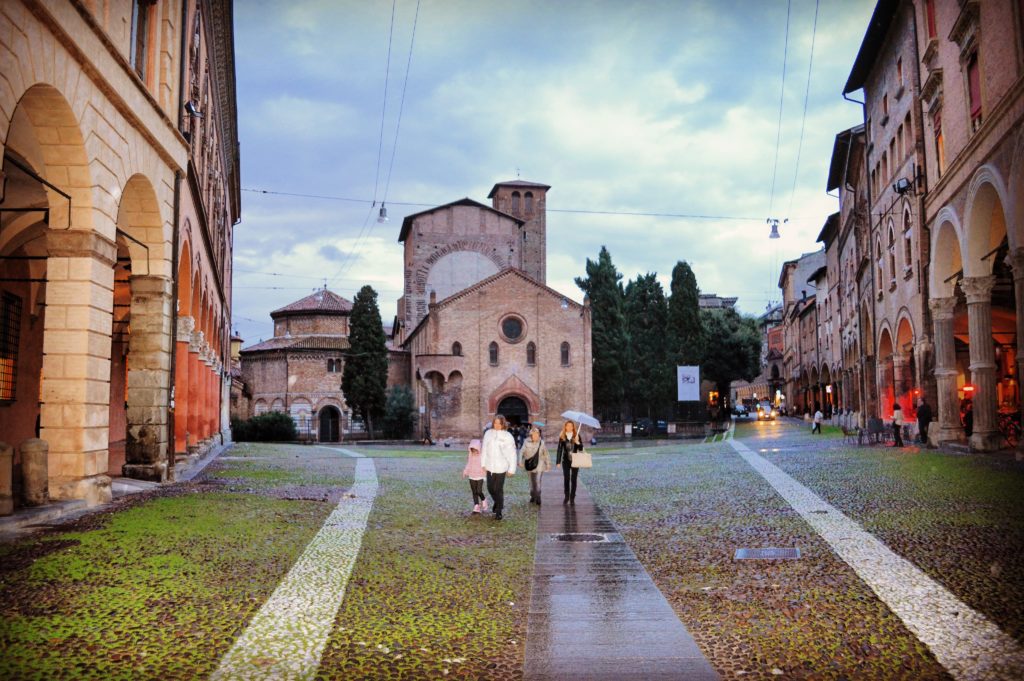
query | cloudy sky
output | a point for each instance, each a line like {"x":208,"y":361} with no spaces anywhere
{"x":629,"y":107}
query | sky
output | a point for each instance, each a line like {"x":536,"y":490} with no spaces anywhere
{"x":622,"y":107}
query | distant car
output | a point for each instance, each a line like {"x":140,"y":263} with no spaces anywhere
{"x":741,"y":411}
{"x":642,"y":427}
{"x":765,"y":412}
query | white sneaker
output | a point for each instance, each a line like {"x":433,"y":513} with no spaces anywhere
{"x":483,"y":505}
{"x":476,"y":508}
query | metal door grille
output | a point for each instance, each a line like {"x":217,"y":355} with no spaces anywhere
{"x":10,"y":328}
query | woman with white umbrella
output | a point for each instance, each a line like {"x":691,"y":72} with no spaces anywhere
{"x":569,"y":442}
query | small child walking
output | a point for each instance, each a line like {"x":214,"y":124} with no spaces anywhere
{"x":474,"y":470}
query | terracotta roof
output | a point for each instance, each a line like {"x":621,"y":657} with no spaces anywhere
{"x":841,"y":156}
{"x":407,"y":222}
{"x":517,"y":183}
{"x":322,"y":301}
{"x":300,"y":343}
{"x":870,"y":48}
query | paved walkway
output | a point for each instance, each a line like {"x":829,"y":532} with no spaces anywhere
{"x":286,"y":637}
{"x":595,"y":613}
{"x":963,"y":640}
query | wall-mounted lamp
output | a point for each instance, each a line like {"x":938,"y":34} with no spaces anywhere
{"x":902,"y":186}
{"x":192,"y":110}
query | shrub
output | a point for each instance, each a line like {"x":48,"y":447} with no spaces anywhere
{"x":270,"y":427}
{"x":398,"y":413}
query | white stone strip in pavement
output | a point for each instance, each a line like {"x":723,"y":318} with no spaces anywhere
{"x":963,"y":640}
{"x":286,"y":637}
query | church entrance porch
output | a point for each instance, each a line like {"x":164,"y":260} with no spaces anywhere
{"x":515,"y":410}
{"x":330,"y":424}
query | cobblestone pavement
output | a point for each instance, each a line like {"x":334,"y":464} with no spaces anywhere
{"x":965,"y":642}
{"x":286,"y":638}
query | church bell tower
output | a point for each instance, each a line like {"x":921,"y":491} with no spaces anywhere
{"x":526,"y":201}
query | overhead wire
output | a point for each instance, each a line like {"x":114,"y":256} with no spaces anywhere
{"x":803,"y":119}
{"x":401,"y":102}
{"x":782,"y":99}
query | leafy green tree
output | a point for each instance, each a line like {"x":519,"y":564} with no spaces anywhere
{"x":608,"y":332}
{"x":686,"y":337}
{"x":733,"y":349}
{"x":398,"y":412}
{"x":650,"y":374}
{"x":365,"y":376}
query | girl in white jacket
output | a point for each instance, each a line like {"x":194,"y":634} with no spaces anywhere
{"x":498,"y":457}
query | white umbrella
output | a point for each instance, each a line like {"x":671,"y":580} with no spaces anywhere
{"x":582,"y":419}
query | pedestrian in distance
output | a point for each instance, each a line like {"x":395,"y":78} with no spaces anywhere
{"x":924,"y":418}
{"x":818,"y":418}
{"x":897,"y":425}
{"x":498,"y":457}
{"x":474,"y":470}
{"x":536,"y":461}
{"x":568,"y":443}
{"x":968,"y":418}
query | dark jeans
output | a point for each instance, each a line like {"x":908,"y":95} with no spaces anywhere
{"x":496,"y":488}
{"x":569,"y":475}
{"x":477,"y":487}
{"x":535,"y":477}
{"x":897,"y":433}
{"x":923,"y":427}
{"x":816,"y":428}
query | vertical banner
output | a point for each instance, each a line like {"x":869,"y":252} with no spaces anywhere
{"x":688,"y":384}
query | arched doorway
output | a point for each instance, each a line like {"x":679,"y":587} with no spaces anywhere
{"x":330,"y":424}
{"x":515,"y":410}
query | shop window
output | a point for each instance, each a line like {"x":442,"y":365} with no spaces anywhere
{"x":10,"y":330}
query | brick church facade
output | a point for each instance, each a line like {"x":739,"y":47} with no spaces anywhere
{"x":483,"y":332}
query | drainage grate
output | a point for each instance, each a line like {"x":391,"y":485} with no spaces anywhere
{"x":766,"y":554}
{"x":583,"y":537}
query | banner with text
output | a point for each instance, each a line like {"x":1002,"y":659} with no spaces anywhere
{"x":688,"y":383}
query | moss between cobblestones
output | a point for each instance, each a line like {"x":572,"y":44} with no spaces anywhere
{"x":436,"y":592}
{"x":958,"y":518}
{"x":685,"y":512}
{"x":159,"y":586}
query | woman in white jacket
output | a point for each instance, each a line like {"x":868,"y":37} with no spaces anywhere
{"x":498,"y":457}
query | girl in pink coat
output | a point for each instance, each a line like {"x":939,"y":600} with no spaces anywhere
{"x":474,"y":470}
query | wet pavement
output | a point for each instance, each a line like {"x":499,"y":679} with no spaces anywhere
{"x":595,"y":613}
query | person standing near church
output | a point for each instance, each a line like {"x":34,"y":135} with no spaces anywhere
{"x":924,"y":418}
{"x":897,"y":425}
{"x":568,"y":442}
{"x":498,"y":457}
{"x":535,"y":459}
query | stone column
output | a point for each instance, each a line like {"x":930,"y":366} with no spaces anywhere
{"x":181,"y":384}
{"x":1017,"y":263}
{"x":947,"y":427}
{"x":149,"y":366}
{"x":75,"y":392}
{"x":195,"y":389}
{"x":6,"y":479}
{"x":986,"y":435}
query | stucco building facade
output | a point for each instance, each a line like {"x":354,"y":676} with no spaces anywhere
{"x":95,"y":160}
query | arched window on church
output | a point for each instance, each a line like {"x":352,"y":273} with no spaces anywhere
{"x":330,"y":366}
{"x":528,"y":202}
{"x":515,"y":202}
{"x":493,"y":353}
{"x":565,"y":354}
{"x":457,"y":349}
{"x":531,"y":354}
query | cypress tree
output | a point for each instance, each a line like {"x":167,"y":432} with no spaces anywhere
{"x":365,"y":376}
{"x":608,"y":331}
{"x":686,"y":337}
{"x":649,"y":373}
